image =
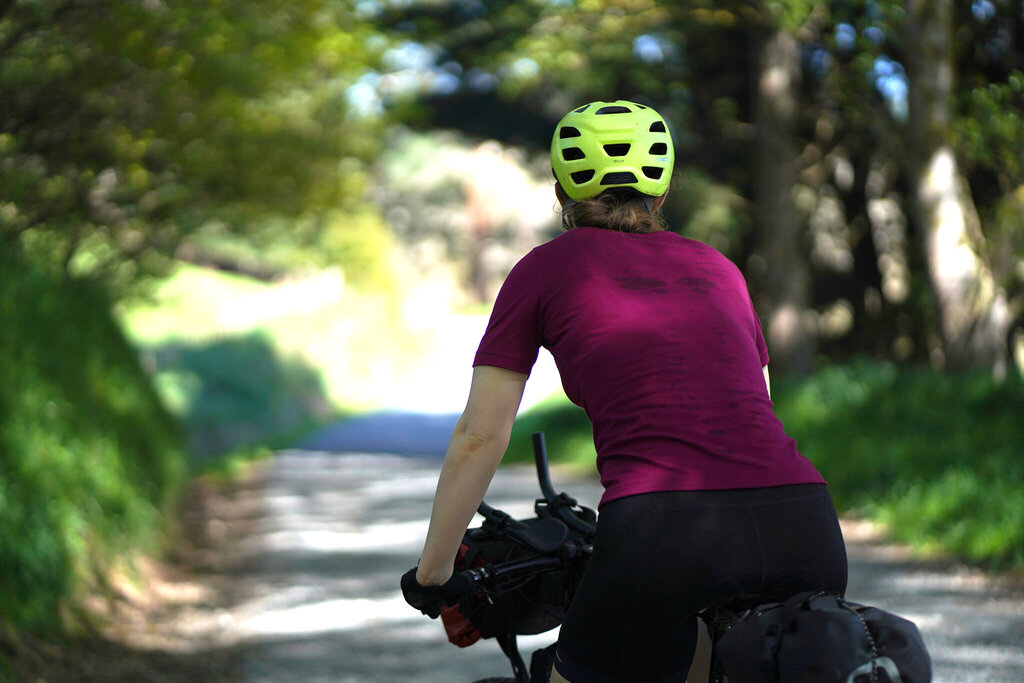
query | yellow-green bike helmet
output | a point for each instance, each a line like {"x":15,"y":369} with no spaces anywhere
{"x":612,"y":144}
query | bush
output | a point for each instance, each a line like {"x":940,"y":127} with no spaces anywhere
{"x":89,"y":459}
{"x":236,"y":390}
{"x":936,"y":457}
{"x":567,"y":435}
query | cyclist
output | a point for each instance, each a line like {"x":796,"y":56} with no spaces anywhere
{"x":655,"y":337}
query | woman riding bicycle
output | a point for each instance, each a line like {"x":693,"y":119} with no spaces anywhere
{"x":655,"y":337}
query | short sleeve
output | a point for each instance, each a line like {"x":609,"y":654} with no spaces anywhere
{"x":513,"y":335}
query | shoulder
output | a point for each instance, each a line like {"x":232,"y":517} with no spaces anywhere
{"x":556,"y":250}
{"x":710,"y":255}
{"x":570,"y":239}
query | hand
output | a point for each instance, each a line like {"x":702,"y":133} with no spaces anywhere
{"x":428,"y":599}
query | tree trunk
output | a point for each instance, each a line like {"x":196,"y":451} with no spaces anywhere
{"x":786,"y":280}
{"x":972,"y":311}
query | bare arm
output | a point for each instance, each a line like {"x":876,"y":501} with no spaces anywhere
{"x":477,"y":445}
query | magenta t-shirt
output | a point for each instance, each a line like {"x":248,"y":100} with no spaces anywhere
{"x":656,"y":339}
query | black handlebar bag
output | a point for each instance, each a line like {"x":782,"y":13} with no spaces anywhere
{"x":823,"y":638}
{"x":527,"y":602}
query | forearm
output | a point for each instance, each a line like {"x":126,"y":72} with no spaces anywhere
{"x":469,"y":466}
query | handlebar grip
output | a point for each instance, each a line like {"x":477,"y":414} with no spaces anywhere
{"x":494,"y":571}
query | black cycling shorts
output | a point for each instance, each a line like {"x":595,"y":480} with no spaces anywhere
{"x":660,"y":558}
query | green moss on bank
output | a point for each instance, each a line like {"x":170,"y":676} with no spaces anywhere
{"x":90,"y":462}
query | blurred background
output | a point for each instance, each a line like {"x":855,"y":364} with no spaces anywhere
{"x":225,"y":224}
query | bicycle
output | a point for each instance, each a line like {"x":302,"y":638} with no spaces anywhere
{"x":558,"y":543}
{"x":564,"y":554}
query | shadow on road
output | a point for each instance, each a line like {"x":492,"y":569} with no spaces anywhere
{"x":392,"y":432}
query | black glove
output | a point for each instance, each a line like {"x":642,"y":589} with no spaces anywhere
{"x":428,"y":599}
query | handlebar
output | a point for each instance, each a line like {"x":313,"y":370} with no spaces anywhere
{"x":494,"y":579}
{"x":489,"y":573}
{"x":540,"y":456}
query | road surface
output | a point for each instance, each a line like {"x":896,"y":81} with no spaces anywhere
{"x":332,"y":532}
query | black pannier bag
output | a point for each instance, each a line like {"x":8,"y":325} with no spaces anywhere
{"x":823,"y":638}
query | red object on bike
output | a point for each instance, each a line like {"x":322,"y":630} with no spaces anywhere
{"x":461,"y":631}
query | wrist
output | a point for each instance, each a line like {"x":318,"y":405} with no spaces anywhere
{"x":427,"y":577}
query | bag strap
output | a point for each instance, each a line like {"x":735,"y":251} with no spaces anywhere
{"x":871,"y":639}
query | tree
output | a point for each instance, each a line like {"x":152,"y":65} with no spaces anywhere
{"x":793,"y":133}
{"x":972,"y":311}
{"x":128,"y":125}
{"x":786,"y":281}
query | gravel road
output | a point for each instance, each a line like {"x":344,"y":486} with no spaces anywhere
{"x":333,"y":532}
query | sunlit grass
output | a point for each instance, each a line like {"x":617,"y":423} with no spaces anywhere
{"x":357,"y":341}
{"x":567,"y":435}
{"x":243,"y":361}
{"x":937,"y":458}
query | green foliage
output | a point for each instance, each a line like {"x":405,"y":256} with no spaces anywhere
{"x":236,"y":390}
{"x":323,"y":343}
{"x":712,"y":212}
{"x":1007,"y":241}
{"x":89,"y":459}
{"x":126,"y":126}
{"x":991,"y":128}
{"x":513,"y":68}
{"x":567,"y":434}
{"x":935,"y":457}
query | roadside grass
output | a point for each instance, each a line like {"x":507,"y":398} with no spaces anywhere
{"x":937,"y":458}
{"x":245,"y":363}
{"x":567,"y":435}
{"x":354,"y":339}
{"x":91,"y":464}
{"x":236,"y":390}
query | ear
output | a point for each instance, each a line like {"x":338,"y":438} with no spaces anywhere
{"x":560,"y":194}
{"x":657,"y":204}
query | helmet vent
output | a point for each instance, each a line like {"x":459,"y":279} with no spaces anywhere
{"x":617,"y":150}
{"x":568,"y":132}
{"x":582,"y":109}
{"x":652,"y":172}
{"x":617,"y":178}
{"x":580,"y":177}
{"x":658,"y":127}
{"x":659,"y":148}
{"x":573,"y":153}
{"x":615,"y":109}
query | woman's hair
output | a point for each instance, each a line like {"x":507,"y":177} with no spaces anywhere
{"x":620,"y":209}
